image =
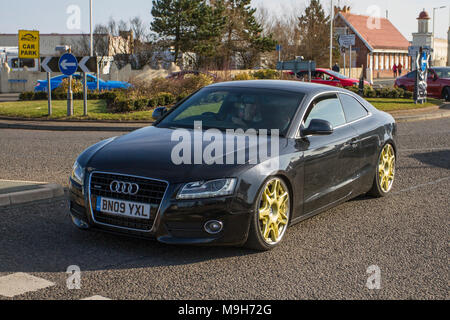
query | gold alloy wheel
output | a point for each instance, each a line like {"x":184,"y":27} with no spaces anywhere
{"x":386,"y":168}
{"x":274,"y":210}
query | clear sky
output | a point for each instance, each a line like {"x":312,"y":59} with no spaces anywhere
{"x":50,"y":16}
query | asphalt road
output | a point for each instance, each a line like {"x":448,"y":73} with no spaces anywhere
{"x":326,"y":257}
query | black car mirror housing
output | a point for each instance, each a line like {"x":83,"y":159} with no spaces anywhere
{"x":159,"y":112}
{"x":318,"y":127}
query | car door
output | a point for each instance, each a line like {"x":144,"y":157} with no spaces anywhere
{"x":434,"y":87}
{"x":328,"y":160}
{"x":410,"y":81}
{"x":366,"y":144}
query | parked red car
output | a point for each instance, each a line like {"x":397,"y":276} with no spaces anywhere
{"x":438,"y":82}
{"x":329,"y":77}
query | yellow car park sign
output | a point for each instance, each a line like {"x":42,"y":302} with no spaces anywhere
{"x":28,"y":44}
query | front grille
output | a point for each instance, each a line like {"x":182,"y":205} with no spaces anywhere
{"x":150,"y":192}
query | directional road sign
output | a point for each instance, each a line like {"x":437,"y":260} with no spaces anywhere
{"x":85,"y":64}
{"x":347,"y":40}
{"x":68,"y":64}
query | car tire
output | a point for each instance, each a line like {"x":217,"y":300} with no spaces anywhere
{"x":446,"y":94}
{"x":385,"y":172}
{"x":271,"y":215}
{"x":79,"y":224}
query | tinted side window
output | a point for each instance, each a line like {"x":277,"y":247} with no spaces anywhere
{"x":352,"y":108}
{"x":412,"y":75}
{"x":326,"y":108}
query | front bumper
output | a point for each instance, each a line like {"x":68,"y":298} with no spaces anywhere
{"x":178,"y":221}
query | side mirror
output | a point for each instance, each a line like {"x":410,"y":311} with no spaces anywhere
{"x":435,"y":77}
{"x":159,"y":112}
{"x":318,"y":127}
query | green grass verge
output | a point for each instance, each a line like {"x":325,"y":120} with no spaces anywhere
{"x":386,"y":104}
{"x":96,"y":111}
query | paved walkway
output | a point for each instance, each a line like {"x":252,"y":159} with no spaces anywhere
{"x":8,"y":97}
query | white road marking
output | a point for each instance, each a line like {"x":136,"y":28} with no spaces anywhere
{"x":19,"y":283}
{"x":422,"y":185}
{"x":96,"y":298}
{"x":424,"y":149}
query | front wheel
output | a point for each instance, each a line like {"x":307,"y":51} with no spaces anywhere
{"x":385,"y":172}
{"x":271,"y":218}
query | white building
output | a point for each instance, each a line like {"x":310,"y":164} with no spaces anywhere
{"x":424,"y":37}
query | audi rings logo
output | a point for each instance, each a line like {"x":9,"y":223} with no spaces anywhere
{"x":124,"y":187}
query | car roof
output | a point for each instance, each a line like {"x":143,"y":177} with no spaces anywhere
{"x":285,"y":85}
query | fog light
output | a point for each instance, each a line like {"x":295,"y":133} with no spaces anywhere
{"x":213,"y":226}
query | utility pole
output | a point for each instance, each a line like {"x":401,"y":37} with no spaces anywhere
{"x":91,"y":30}
{"x":331,"y":33}
{"x":434,"y":25}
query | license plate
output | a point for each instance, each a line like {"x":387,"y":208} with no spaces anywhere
{"x":123,"y":208}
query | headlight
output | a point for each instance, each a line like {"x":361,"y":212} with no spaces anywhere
{"x":78,"y":173}
{"x":208,"y":189}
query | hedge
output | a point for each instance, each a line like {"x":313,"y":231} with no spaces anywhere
{"x":391,"y":93}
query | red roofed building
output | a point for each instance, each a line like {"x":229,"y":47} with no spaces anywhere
{"x":379,"y":45}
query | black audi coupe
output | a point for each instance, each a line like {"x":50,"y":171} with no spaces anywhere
{"x":236,"y":163}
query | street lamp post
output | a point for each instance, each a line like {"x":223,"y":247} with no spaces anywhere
{"x":434,"y":25}
{"x":331,"y":34}
{"x":91,"y":31}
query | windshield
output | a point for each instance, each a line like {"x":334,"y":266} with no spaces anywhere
{"x":337,"y":75}
{"x":443,"y":73}
{"x":236,"y":108}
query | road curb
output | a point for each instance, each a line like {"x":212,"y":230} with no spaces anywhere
{"x":44,"y":192}
{"x":432,"y":116}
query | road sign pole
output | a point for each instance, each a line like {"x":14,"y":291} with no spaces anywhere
{"x":70,"y":99}
{"x":85,"y":108}
{"x":98,"y":77}
{"x":309,"y":70}
{"x":345,"y":62}
{"x":49,"y":90}
{"x":350,"y":66}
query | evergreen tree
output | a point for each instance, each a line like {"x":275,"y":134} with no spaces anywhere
{"x":173,"y":21}
{"x":242,"y":33}
{"x":314,"y":31}
{"x":208,"y":22}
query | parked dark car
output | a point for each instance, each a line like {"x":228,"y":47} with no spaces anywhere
{"x":438,"y":82}
{"x":91,"y":83}
{"x":327,"y":145}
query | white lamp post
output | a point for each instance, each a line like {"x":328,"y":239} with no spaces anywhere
{"x":91,"y":31}
{"x":434,"y":25}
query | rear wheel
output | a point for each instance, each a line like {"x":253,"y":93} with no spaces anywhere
{"x":385,"y":172}
{"x":271,"y":219}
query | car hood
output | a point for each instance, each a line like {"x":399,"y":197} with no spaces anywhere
{"x":148,"y":152}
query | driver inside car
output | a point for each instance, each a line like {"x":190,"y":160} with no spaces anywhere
{"x":246,"y":113}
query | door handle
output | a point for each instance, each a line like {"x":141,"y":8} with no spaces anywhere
{"x":354,"y":143}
